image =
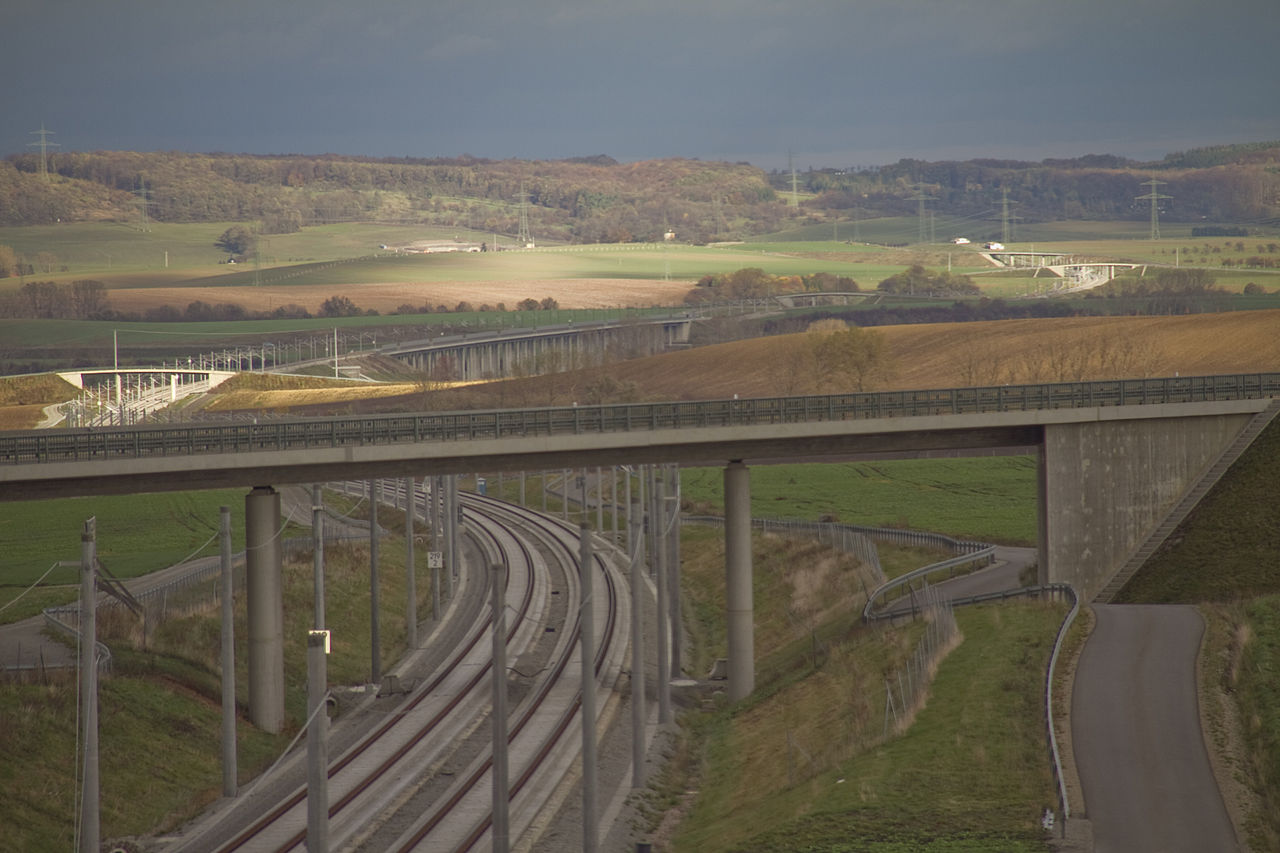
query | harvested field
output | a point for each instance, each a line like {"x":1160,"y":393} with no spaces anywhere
{"x":386,"y":297}
{"x":280,"y":400}
{"x":932,"y":356}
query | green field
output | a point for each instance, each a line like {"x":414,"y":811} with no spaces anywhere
{"x":112,"y":249}
{"x":136,"y":534}
{"x":166,"y":254}
{"x":990,"y":499}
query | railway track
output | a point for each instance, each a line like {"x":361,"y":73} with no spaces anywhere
{"x":408,"y":763}
{"x":544,"y":735}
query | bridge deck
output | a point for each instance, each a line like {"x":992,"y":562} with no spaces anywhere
{"x":39,"y":464}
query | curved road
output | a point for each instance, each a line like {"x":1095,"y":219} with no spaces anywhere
{"x":1135,"y":728}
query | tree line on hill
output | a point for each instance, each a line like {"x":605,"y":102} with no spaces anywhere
{"x":598,"y":200}
{"x":755,"y":283}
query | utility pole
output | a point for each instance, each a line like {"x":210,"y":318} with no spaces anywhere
{"x":501,"y":796}
{"x":375,"y":663}
{"x":411,"y":580}
{"x":1154,"y":196}
{"x":317,"y":742}
{"x":317,"y":541}
{"x":586,"y":634}
{"x":89,"y":823}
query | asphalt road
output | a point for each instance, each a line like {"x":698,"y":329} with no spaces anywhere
{"x":1002,"y":575}
{"x":1135,"y":728}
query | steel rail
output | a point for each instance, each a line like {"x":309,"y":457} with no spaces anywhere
{"x":244,"y":838}
{"x":415,"y":837}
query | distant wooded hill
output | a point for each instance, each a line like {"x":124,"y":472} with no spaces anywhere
{"x":597,"y":199}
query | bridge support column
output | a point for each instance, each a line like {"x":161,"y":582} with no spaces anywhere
{"x":266,"y":608}
{"x":1042,"y":515}
{"x":737,"y":566}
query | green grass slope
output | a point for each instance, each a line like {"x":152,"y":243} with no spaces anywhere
{"x":1227,"y":547}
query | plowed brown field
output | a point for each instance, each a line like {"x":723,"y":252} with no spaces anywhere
{"x":386,"y":297}
{"x":925,"y":356}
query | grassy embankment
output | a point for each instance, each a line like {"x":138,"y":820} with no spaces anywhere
{"x":989,"y":499}
{"x":160,"y":710}
{"x":809,"y":763}
{"x":1223,"y":558}
{"x":136,"y":534}
{"x":23,"y":398}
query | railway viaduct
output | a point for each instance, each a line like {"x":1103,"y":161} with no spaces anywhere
{"x":506,"y":353}
{"x":1114,"y":459}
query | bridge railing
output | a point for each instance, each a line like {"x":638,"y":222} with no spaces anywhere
{"x":315,"y":433}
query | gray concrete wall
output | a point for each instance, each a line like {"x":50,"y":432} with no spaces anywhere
{"x":1107,"y":485}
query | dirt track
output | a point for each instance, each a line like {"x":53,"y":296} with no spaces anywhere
{"x":386,"y":297}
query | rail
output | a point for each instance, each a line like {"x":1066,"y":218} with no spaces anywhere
{"x":1063,"y":803}
{"x":981,"y":554}
{"x":318,"y":433}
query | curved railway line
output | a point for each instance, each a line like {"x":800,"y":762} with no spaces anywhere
{"x":406,"y":761}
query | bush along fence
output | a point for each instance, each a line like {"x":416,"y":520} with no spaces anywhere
{"x":912,"y":680}
{"x":905,"y":689}
{"x":875,"y":712}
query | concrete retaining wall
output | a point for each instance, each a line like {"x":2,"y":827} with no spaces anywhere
{"x":1109,"y":483}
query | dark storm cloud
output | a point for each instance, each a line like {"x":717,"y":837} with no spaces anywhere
{"x":840,"y":83}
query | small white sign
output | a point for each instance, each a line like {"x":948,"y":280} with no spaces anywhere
{"x":323,"y":632}
{"x":435,"y":559}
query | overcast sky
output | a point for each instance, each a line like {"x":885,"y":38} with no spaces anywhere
{"x":837,"y":82}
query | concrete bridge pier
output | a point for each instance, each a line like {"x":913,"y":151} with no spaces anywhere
{"x":737,"y":566}
{"x":265,"y":602}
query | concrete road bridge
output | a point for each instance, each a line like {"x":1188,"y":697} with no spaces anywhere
{"x":1115,"y":458}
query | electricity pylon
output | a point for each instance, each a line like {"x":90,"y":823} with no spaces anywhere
{"x":1155,"y":198}
{"x":44,"y":145}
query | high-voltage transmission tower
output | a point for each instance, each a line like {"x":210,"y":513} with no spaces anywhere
{"x":144,"y":201}
{"x":44,"y":145}
{"x":523,"y":238}
{"x":1154,"y":196}
{"x":1006,"y":223}
{"x":924,"y":223}
{"x":795,"y":193}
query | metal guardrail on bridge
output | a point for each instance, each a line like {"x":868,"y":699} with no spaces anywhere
{"x":315,"y":433}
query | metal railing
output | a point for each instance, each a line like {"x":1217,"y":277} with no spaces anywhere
{"x":1064,"y":804}
{"x":318,"y":433}
{"x":984,"y":554}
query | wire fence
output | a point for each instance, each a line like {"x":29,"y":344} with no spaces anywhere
{"x":860,"y":541}
{"x":871,"y":713}
{"x":195,"y":590}
{"x":913,"y":678}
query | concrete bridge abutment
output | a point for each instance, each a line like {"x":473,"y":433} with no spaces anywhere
{"x":1106,"y":485}
{"x":264,"y":597}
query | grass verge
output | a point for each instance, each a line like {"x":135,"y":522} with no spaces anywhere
{"x":804,"y":764}
{"x":1226,"y":547}
{"x":137,"y":534}
{"x":161,"y":709}
{"x":990,"y":499}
